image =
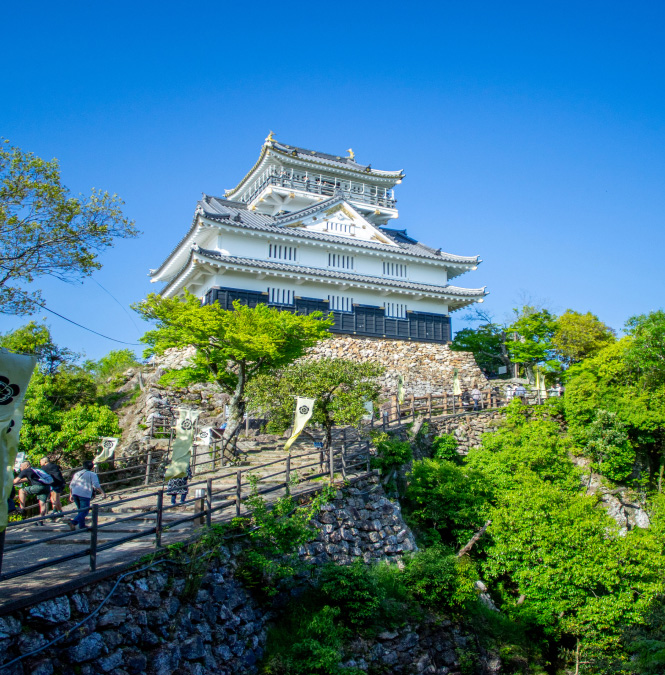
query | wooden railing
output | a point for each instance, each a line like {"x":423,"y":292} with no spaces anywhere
{"x":448,"y":404}
{"x":349,"y":459}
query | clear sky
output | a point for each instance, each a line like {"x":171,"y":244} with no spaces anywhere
{"x":531,"y":133}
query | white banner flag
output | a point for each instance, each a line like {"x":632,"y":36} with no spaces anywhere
{"x":15,"y":373}
{"x":182,"y":443}
{"x":304,"y":410}
{"x":108,"y":446}
{"x":205,"y":436}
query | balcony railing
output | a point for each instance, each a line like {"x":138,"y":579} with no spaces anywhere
{"x":317,"y":184}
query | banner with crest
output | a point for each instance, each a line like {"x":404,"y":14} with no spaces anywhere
{"x":182,"y":443}
{"x":304,"y":410}
{"x":108,"y":445}
{"x":15,"y":373}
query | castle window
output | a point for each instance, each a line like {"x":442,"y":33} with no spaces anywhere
{"x":343,"y":228}
{"x":342,"y":262}
{"x":395,"y":310}
{"x":391,"y":269}
{"x":281,"y":296}
{"x":340,"y":303}
{"x":280,"y":252}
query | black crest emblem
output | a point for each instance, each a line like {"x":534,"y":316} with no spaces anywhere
{"x":108,"y":445}
{"x":303,"y":410}
{"x":187,"y":424}
{"x":7,"y":391}
{"x":204,"y":434}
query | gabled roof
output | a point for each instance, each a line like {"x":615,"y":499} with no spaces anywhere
{"x":223,"y":210}
{"x":321,"y":159}
{"x":252,"y":264}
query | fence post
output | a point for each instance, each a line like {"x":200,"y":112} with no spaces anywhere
{"x":159,"y":519}
{"x":193,"y":461}
{"x":331,"y":460}
{"x":453,"y":403}
{"x":288,"y":471}
{"x":147,"y":468}
{"x":2,"y":547}
{"x":208,"y":502}
{"x":343,"y":461}
{"x":399,"y":410}
{"x":413,"y":406}
{"x":238,"y":492}
{"x":429,"y":404}
{"x":368,"y":457}
{"x":93,"y":537}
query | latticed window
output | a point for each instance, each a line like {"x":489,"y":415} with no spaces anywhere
{"x":391,"y":269}
{"x":340,"y":303}
{"x":395,"y":310}
{"x":343,"y":228}
{"x":281,"y":296}
{"x":279,"y":252}
{"x":342,"y":262}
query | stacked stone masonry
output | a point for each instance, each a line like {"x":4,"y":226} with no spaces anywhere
{"x":425,"y":368}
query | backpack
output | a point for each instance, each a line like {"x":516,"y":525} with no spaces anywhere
{"x":43,"y":477}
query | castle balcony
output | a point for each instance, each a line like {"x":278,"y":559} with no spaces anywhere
{"x":326,"y":186}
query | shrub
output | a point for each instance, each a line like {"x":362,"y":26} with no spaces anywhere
{"x":448,"y":498}
{"x":391,"y":452}
{"x":439,"y":579}
{"x":444,"y":447}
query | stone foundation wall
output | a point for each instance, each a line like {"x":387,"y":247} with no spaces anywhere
{"x":151,"y":625}
{"x":467,"y":428}
{"x":425,"y":368}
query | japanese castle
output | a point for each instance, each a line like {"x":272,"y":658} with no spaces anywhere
{"x":307,"y":231}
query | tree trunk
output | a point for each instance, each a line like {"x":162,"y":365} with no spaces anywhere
{"x":236,"y":408}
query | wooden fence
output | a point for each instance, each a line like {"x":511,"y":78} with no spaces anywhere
{"x":351,"y":458}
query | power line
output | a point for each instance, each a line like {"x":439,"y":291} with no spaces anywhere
{"x":124,"y":309}
{"x":90,"y":330}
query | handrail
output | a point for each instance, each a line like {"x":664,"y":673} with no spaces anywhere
{"x":333,"y":462}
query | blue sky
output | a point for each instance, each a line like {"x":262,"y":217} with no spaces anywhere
{"x":531,"y":133}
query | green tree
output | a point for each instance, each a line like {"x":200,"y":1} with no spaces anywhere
{"x":530,"y":340}
{"x":646,"y":353}
{"x":36,"y":339}
{"x":609,"y":446}
{"x":45,"y":231}
{"x":487,"y":342}
{"x":340,"y":386}
{"x":578,"y":336}
{"x":231,"y":347}
{"x":447,"y":500}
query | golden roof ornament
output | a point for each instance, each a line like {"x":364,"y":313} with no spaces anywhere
{"x":352,"y":155}
{"x":270,"y":137}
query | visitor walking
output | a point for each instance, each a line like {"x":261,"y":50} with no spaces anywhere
{"x":82,"y":489}
{"x":38,"y":485}
{"x":510,"y":392}
{"x":520,"y":392}
{"x":477,"y":397}
{"x":178,"y":486}
{"x":57,"y":486}
{"x":466,"y":399}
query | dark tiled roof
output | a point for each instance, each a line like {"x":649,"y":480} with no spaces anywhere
{"x":348,"y":276}
{"x":236,"y":214}
{"x":332,"y":160}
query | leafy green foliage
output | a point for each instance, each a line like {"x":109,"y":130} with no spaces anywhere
{"x":608,"y":444}
{"x":447,"y":501}
{"x":340,"y":386}
{"x":438,"y":579}
{"x":111,"y":365}
{"x":444,"y":447}
{"x":391,"y":452}
{"x":486,"y":343}
{"x":35,"y":339}
{"x":45,"y":231}
{"x":578,"y":336}
{"x":535,"y":331}
{"x":231,"y":347}
{"x":646,"y":353}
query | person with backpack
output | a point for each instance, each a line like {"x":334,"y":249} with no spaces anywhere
{"x":82,"y":488}
{"x":57,"y":486}
{"x":39,"y":485}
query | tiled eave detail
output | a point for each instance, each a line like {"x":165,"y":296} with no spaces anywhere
{"x":329,"y":241}
{"x":307,"y":162}
{"x":201,"y":259}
